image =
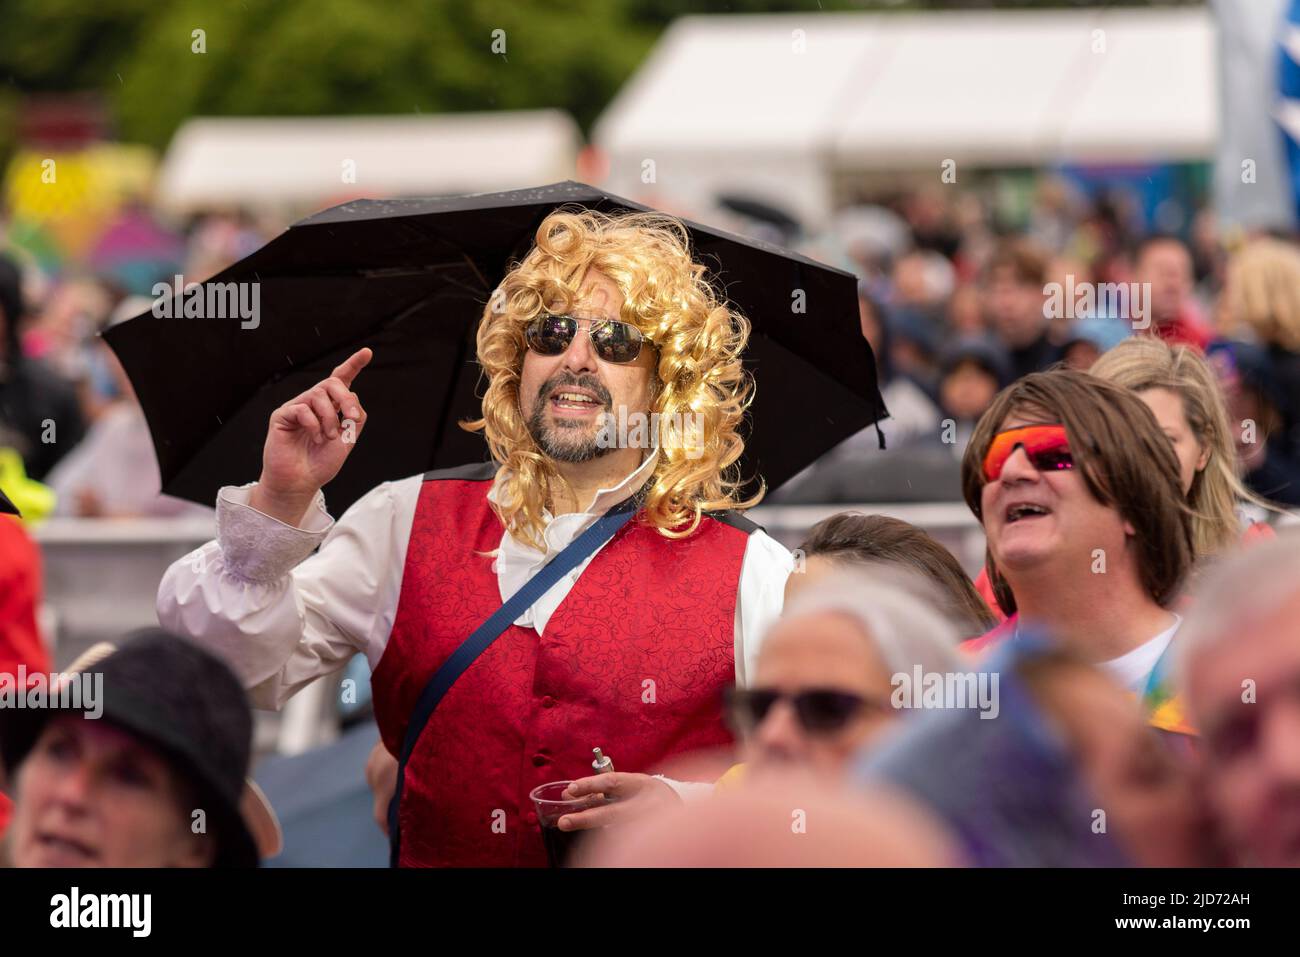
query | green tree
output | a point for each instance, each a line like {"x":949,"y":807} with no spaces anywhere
{"x":320,"y":57}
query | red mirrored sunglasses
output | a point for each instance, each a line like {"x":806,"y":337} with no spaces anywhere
{"x":1047,"y":446}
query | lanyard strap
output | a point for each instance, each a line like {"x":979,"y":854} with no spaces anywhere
{"x":570,"y":558}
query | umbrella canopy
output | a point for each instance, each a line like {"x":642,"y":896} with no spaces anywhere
{"x":764,"y":212}
{"x":410,"y":278}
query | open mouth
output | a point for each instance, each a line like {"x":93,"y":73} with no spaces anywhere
{"x":1025,"y":511}
{"x":574,"y":400}
{"x":65,"y":847}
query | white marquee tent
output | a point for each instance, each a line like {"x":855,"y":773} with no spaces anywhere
{"x":781,"y":105}
{"x":301,"y":161}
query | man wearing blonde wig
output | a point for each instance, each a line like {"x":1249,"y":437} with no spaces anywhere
{"x":606,"y":320}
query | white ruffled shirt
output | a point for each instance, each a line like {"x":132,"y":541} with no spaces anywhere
{"x":516,"y":562}
{"x":285,"y":605}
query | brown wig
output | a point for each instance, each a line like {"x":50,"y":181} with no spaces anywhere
{"x":1125,"y":459}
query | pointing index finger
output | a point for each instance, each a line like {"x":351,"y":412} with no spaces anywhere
{"x":347,"y":371}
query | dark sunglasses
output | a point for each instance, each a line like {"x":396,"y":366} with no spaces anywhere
{"x":819,"y":710}
{"x":1047,"y":446}
{"x":612,"y":340}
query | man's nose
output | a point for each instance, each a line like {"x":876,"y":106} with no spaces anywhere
{"x":1018,"y":468}
{"x":580,"y":357}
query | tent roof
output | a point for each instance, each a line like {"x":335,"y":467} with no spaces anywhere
{"x":299,"y":160}
{"x":896,"y":90}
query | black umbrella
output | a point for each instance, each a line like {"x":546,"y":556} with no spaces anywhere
{"x":410,"y":279}
{"x":762,"y":211}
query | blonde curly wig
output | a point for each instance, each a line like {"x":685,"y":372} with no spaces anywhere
{"x":699,"y":341}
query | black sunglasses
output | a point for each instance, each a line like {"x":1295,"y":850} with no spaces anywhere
{"x":613,"y":341}
{"x":819,"y":710}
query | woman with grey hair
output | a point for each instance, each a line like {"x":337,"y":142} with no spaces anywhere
{"x":834,"y":670}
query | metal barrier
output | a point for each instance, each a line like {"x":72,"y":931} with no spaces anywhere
{"x":101,"y":580}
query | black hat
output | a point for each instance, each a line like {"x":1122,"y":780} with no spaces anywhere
{"x":7,"y":507}
{"x":186,"y":703}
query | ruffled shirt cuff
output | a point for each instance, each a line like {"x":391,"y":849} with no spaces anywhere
{"x":258,"y":548}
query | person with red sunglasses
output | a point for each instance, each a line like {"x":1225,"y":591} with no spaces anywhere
{"x":1089,"y":536}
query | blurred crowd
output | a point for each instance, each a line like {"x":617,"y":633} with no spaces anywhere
{"x":957,"y":307}
{"x":955,"y":304}
{"x":68,"y":417}
{"x":1136,"y":638}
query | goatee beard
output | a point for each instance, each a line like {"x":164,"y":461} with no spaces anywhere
{"x":565,"y":441}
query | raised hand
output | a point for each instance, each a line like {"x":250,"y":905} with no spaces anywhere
{"x":307,"y":444}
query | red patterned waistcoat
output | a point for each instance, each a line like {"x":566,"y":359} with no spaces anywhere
{"x":633,"y":661}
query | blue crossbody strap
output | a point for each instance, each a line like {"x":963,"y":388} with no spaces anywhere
{"x":570,"y":558}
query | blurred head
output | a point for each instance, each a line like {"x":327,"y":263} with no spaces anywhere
{"x":1165,"y":263}
{"x":634,"y":268}
{"x":1240,"y":669}
{"x":1147,"y":795}
{"x":1261,"y":293}
{"x":1013,"y":293}
{"x":821,"y":688}
{"x":1179,"y":387}
{"x":966,"y":389}
{"x":140,"y":742}
{"x":853,"y":540}
{"x":1070,"y":273}
{"x":1086,"y":340}
{"x":922,"y":278}
{"x":1026,"y":789}
{"x":965,"y":317}
{"x":1121,"y":495}
{"x":972,"y":371}
{"x":913,"y":342}
{"x":91,"y":794}
{"x":1080,"y":354}
{"x":792,"y":821}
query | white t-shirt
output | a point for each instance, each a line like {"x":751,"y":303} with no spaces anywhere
{"x":1133,"y":668}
